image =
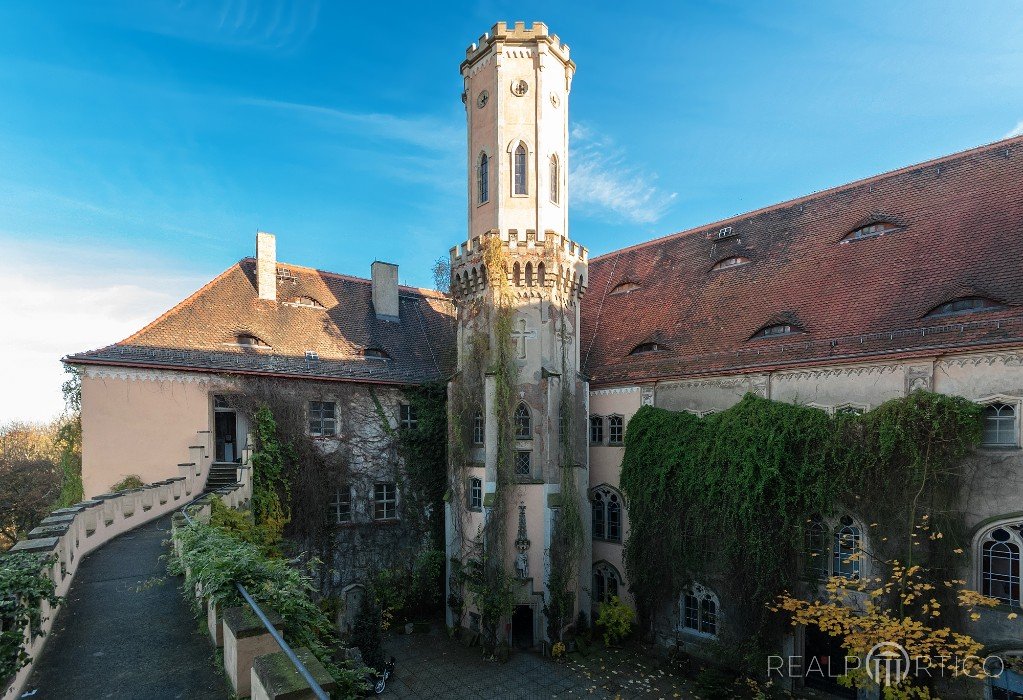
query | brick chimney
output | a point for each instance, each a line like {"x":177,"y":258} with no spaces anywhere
{"x":266,"y":265}
{"x":385,"y":291}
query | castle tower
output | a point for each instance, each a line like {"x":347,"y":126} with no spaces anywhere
{"x":518,"y":452}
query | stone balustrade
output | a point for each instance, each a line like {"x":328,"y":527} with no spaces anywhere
{"x":69,"y":534}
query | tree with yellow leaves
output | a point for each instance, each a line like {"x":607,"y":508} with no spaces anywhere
{"x":900,"y":607}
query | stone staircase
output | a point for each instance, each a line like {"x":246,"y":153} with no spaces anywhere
{"x":221,"y":475}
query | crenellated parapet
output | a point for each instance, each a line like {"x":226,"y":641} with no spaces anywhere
{"x":552,"y":265}
{"x":518,"y":34}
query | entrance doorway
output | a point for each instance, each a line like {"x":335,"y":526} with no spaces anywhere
{"x":824,"y":662}
{"x":225,"y":431}
{"x":522,"y":627}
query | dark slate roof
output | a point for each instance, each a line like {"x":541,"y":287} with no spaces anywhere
{"x":200,"y":333}
{"x":960,"y":233}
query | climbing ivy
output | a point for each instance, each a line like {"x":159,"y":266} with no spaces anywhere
{"x":24,"y":584}
{"x":726,"y":498}
{"x":424,"y":454}
{"x":271,"y":494}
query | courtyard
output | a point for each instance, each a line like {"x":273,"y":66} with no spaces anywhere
{"x":431,"y":665}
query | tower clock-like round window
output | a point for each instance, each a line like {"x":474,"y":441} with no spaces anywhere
{"x":482,"y":98}
{"x":519,"y":87}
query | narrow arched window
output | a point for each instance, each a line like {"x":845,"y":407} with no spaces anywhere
{"x":478,"y":433}
{"x":596,"y":430}
{"x":999,"y":425}
{"x":483,"y":178}
{"x":519,"y":168}
{"x":555,"y":179}
{"x":605,"y":582}
{"x":816,"y":548}
{"x":846,"y":549}
{"x":529,"y":274}
{"x":523,"y":423}
{"x":615,"y":430}
{"x":541,"y":274}
{"x":606,"y":507}
{"x":516,"y":274}
{"x":1000,"y":566}
{"x":474,"y":499}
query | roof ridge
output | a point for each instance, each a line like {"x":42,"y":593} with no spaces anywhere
{"x":994,"y":145}
{"x":425,"y":291}
{"x":180,"y":305}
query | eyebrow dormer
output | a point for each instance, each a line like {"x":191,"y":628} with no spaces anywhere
{"x":965,"y":305}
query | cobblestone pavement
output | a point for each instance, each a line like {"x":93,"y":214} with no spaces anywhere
{"x":433,"y":666}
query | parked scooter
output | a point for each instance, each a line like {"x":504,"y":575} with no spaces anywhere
{"x":380,"y":682}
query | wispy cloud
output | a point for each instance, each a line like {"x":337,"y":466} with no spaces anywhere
{"x":60,"y":304}
{"x":1017,"y":131}
{"x":427,"y":132}
{"x":269,"y":25}
{"x":602,"y":177}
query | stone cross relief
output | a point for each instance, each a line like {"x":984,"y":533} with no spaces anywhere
{"x":520,"y":335}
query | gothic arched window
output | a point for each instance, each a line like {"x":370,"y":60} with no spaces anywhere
{"x":483,"y":178}
{"x":523,"y":423}
{"x":817,"y":548}
{"x":1000,"y":564}
{"x":606,"y":503}
{"x":555,"y":179}
{"x":999,"y":425}
{"x":596,"y":430}
{"x":699,"y":611}
{"x":615,"y":430}
{"x":846,"y":549}
{"x":478,"y":432}
{"x":519,"y":170}
{"x":605,"y":582}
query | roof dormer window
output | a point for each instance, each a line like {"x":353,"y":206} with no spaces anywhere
{"x":873,"y":230}
{"x":644,"y":348}
{"x":375,"y":354}
{"x":625,"y":288}
{"x":249,"y":341}
{"x":965,"y":305}
{"x":307,"y":302}
{"x":776,"y":330}
{"x":730,"y":262}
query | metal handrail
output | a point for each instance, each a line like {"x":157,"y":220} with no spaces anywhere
{"x":285,"y":647}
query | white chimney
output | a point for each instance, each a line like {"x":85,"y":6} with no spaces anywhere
{"x":385,"y":291}
{"x":266,"y":265}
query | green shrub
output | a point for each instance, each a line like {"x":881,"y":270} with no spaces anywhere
{"x":240,"y":524}
{"x":132,"y":481}
{"x":216,"y":559}
{"x":24,"y":584}
{"x":615,"y":618}
{"x":715,"y":684}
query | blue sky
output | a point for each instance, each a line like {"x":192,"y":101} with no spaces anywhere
{"x":143,"y":143}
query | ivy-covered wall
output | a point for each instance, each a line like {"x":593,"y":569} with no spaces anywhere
{"x":724,"y":500}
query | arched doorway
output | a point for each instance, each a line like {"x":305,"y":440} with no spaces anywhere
{"x":522,"y":627}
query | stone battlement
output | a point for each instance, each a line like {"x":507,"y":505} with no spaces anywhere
{"x":520,"y":241}
{"x":518,"y":34}
{"x":555,"y":263}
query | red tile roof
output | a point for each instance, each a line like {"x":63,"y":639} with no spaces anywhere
{"x":200,"y":333}
{"x":961,"y":234}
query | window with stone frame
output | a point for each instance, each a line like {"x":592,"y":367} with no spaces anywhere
{"x":699,"y":611}
{"x":483,"y":179}
{"x":409,"y":419}
{"x":606,"y":506}
{"x":596,"y":430}
{"x":605,"y":582}
{"x":475,"y":500}
{"x":523,"y":423}
{"x":478,"y":428}
{"x":385,"y":500}
{"x":322,"y":418}
{"x":615,"y":430}
{"x":555,"y":180}
{"x":523,"y":463}
{"x":816,"y":551}
{"x":846,"y":550}
{"x":1000,"y":426}
{"x":1000,"y":564}
{"x":339,"y":510}
{"x":519,"y":170}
